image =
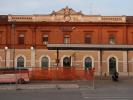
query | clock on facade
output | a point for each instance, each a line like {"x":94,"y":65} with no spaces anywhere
{"x":67,"y":18}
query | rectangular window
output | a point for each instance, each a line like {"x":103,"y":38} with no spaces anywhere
{"x":45,"y":39}
{"x":66,"y":39}
{"x":88,"y":39}
{"x":21,"y":39}
{"x":112,"y":39}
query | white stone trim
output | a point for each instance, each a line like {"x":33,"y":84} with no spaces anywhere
{"x":73,"y":51}
{"x":45,"y":50}
{"x":32,"y":61}
{"x":17,"y":58}
{"x":40,"y":59}
{"x":99,"y":61}
{"x":116,"y":62}
{"x":8,"y":58}
{"x":132,"y":64}
{"x":23,"y":50}
{"x":125,"y":61}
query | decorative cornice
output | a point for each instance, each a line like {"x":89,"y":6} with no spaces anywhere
{"x":66,"y":15}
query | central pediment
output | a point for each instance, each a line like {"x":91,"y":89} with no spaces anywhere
{"x":66,"y":11}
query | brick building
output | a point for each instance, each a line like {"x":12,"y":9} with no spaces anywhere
{"x":67,"y":38}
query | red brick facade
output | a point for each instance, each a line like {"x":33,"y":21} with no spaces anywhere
{"x":98,"y":29}
{"x":33,"y":34}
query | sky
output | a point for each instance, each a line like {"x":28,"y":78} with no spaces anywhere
{"x":88,"y":7}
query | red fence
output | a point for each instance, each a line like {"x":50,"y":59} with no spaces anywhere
{"x":60,"y":73}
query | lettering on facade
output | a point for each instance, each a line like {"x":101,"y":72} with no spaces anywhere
{"x":66,"y":29}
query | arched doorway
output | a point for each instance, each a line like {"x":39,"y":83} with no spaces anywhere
{"x":112,"y":65}
{"x":44,"y":62}
{"x":88,"y":63}
{"x":20,"y":62}
{"x":67,"y":62}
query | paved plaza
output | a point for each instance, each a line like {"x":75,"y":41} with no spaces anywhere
{"x":74,"y":90}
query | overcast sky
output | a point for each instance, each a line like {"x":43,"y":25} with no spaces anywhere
{"x":95,"y":7}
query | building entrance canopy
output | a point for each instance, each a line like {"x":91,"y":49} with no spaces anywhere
{"x":88,"y":47}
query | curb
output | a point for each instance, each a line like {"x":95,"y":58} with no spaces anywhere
{"x":40,"y":86}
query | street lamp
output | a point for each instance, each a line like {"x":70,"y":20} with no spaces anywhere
{"x":32,"y":48}
{"x":6,"y":48}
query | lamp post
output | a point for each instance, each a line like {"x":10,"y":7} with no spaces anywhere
{"x":6,"y":48}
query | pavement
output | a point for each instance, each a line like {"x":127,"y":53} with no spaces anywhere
{"x":97,"y":84}
{"x":68,"y":90}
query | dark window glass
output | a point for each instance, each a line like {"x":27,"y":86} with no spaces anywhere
{"x":44,"y":62}
{"x":67,"y":62}
{"x":20,"y":62}
{"x":88,"y":63}
{"x":112,"y":65}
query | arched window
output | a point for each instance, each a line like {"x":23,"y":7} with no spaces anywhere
{"x":67,"y":62}
{"x":88,"y":63}
{"x":112,"y":65}
{"x":20,"y":62}
{"x":45,"y":62}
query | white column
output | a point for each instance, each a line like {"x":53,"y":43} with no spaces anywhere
{"x":99,"y":67}
{"x":124,"y":61}
{"x":8,"y":60}
{"x":33,"y":58}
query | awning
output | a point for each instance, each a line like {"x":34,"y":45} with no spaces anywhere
{"x":88,"y":47}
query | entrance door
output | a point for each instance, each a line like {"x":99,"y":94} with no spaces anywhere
{"x":67,"y":62}
{"x":112,"y":65}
